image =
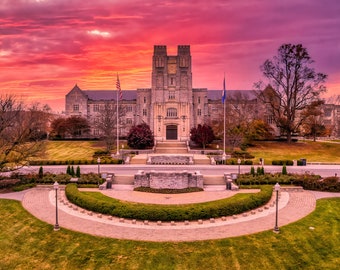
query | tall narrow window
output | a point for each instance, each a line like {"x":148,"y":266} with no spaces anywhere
{"x":199,"y":112}
{"x":171,"y":95}
{"x":144,"y":99}
{"x":145,"y":112}
{"x":171,"y":113}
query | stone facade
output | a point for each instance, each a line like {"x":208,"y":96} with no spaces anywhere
{"x":171,"y":107}
{"x":168,"y":180}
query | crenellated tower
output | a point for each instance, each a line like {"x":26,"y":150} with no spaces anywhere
{"x":171,"y":93}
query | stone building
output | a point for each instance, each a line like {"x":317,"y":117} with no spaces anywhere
{"x":171,"y":107}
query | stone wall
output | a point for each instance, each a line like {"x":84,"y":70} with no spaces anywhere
{"x":168,"y":180}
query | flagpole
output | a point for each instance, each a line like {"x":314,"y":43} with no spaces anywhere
{"x":224,"y":111}
{"x":224,"y":154}
{"x":118,"y":87}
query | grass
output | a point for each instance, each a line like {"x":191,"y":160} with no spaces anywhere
{"x":312,"y":151}
{"x":71,"y":150}
{"x":28,"y":243}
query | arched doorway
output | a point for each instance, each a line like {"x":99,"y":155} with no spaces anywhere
{"x":171,"y":132}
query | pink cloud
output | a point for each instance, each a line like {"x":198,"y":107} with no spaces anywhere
{"x":45,"y":46}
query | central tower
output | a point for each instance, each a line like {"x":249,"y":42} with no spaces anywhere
{"x":171,"y":92}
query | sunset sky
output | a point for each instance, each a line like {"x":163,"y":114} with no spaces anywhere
{"x":48,"y":46}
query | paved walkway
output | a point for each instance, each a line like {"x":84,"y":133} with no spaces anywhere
{"x":293,"y":206}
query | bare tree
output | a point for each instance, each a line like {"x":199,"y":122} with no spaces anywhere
{"x":294,"y":85}
{"x":106,"y":123}
{"x":21,"y":132}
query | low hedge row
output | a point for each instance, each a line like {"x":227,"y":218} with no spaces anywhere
{"x":272,"y":179}
{"x":286,"y":162}
{"x":103,"y":160}
{"x":97,"y":202}
{"x":49,"y":178}
{"x":307,"y":181}
{"x":233,"y":161}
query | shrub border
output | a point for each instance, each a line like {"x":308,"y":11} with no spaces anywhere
{"x":97,"y":202}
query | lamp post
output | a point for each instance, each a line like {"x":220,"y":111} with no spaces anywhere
{"x":277,"y":189}
{"x":56,"y":187}
{"x":98,"y":161}
{"x":239,"y":165}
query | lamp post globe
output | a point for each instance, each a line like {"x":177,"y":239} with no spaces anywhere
{"x":56,"y":187}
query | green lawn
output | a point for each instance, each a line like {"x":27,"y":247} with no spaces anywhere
{"x":71,"y":150}
{"x":312,"y":151}
{"x":28,"y":243}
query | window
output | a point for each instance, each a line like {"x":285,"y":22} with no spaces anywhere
{"x":76,"y":107}
{"x":129,"y":121}
{"x":171,"y":112}
{"x":96,"y":132}
{"x":172,"y":81}
{"x":199,"y":112}
{"x":199,"y":100}
{"x":145,"y":112}
{"x":144,"y":99}
{"x":270,"y":119}
{"x":129,"y":109}
{"x":96,"y":107}
{"x":171,"y":95}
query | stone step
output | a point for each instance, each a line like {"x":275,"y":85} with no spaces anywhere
{"x":213,"y":180}
{"x":139,"y":159}
{"x":171,"y":144}
{"x":171,"y":150}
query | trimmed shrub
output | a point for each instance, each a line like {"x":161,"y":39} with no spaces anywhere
{"x":284,"y":169}
{"x":252,"y":171}
{"x":287,"y":162}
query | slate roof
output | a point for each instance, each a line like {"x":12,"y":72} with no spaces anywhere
{"x":217,"y":94}
{"x":97,"y":95}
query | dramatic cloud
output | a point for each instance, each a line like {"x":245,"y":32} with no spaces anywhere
{"x":47,"y":46}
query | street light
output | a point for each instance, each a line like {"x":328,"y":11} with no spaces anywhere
{"x":56,"y":225}
{"x":239,"y":164}
{"x":98,"y":161}
{"x":277,"y":189}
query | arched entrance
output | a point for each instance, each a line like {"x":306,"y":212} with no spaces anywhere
{"x":171,"y":132}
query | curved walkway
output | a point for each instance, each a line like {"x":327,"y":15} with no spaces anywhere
{"x":292,"y":207}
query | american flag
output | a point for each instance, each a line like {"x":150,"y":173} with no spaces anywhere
{"x":224,"y":93}
{"x":120,"y":94}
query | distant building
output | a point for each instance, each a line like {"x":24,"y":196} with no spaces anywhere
{"x":171,"y":107}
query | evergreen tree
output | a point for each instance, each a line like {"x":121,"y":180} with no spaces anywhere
{"x":72,"y":171}
{"x":78,"y":171}
{"x":41,"y":172}
{"x":284,"y":169}
{"x":258,"y":171}
{"x":68,"y":170}
{"x":252,"y":171}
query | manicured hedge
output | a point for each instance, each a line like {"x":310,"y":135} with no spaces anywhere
{"x":103,"y":160}
{"x":97,"y":202}
{"x":307,"y":181}
{"x":272,"y":179}
{"x":286,"y":162}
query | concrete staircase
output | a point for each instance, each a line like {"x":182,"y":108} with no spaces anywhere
{"x":171,"y":148}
